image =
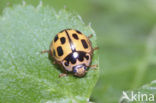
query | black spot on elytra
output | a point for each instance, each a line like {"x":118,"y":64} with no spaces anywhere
{"x":87,"y":57}
{"x":84,"y":43}
{"x":56,"y":38}
{"x":63,"y":40}
{"x":75,"y":36}
{"x":59,"y":51}
{"x":78,"y":32}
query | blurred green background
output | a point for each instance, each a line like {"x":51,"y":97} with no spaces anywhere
{"x":123,"y":29}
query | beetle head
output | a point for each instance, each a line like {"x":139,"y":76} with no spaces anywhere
{"x":80,"y":70}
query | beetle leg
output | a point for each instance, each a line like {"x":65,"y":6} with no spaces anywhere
{"x":93,"y":66}
{"x":45,"y":51}
{"x":54,"y":62}
{"x":90,"y":36}
{"x":62,"y":75}
{"x":96,"y":48}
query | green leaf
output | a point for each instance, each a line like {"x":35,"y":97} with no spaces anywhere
{"x":28,"y":76}
{"x":57,"y":4}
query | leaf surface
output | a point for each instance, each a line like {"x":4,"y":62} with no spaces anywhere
{"x":28,"y":76}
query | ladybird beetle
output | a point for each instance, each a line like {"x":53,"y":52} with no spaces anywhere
{"x":73,"y":51}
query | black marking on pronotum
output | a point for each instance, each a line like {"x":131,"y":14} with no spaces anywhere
{"x":63,"y":40}
{"x":66,"y":63}
{"x":87,"y":57}
{"x":75,"y":36}
{"x":56,"y":38}
{"x":71,"y":43}
{"x":78,"y":31}
{"x":59,"y":51}
{"x":81,"y":58}
{"x":72,"y":59}
{"x":84,"y":43}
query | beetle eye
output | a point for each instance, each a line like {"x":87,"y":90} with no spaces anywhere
{"x":74,"y":70}
{"x":85,"y":67}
